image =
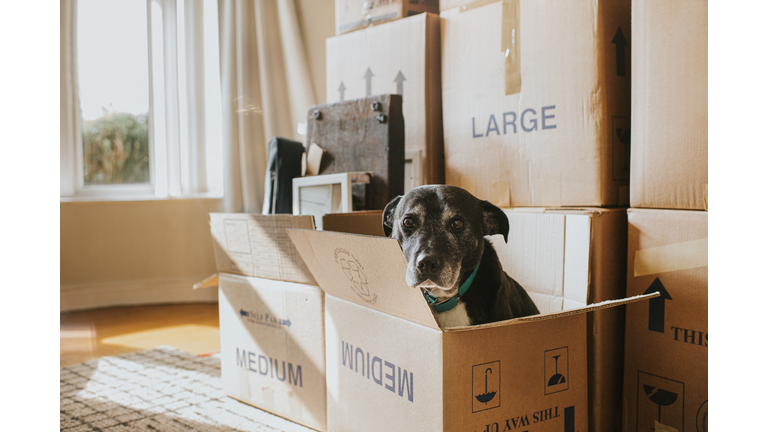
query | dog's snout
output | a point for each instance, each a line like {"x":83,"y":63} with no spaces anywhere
{"x":429,"y":264}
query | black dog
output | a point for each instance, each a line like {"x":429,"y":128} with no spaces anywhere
{"x":441,"y":230}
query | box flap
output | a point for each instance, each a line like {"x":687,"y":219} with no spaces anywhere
{"x":257,"y":245}
{"x":366,"y":270}
{"x":366,"y":222}
{"x":591,"y":308}
{"x":209,"y":282}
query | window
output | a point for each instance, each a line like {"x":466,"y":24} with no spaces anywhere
{"x":147,"y":110}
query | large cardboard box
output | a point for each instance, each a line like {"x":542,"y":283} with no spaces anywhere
{"x":391,"y":367}
{"x":669,"y":105}
{"x":356,"y":14}
{"x":272,"y":330}
{"x":665,"y":374}
{"x":400,"y":57}
{"x":536,"y":101}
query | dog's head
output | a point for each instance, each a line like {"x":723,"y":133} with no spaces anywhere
{"x":441,"y":230}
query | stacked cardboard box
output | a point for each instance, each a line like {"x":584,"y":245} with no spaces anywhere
{"x":399,"y":57}
{"x":270,"y":317}
{"x":666,"y":357}
{"x":536,"y":112}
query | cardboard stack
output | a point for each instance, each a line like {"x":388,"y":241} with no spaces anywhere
{"x":665,"y":372}
{"x":270,"y":317}
{"x":536,"y":113}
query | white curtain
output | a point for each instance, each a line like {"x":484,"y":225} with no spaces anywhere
{"x":266,"y":91}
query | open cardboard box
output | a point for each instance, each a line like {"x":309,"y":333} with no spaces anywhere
{"x":389,"y":365}
{"x":270,"y":317}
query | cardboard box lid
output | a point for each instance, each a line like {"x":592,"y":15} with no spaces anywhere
{"x":366,"y":270}
{"x":257,"y":245}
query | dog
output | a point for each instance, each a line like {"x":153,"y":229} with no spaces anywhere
{"x":442,"y":230}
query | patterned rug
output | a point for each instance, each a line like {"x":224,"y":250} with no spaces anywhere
{"x":163,"y":389}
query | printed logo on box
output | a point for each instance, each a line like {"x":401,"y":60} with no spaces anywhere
{"x":354,"y":271}
{"x":262,"y":318}
{"x":486,"y":379}
{"x":556,"y":370}
{"x":660,"y":403}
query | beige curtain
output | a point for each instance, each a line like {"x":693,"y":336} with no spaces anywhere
{"x":266,"y":91}
{"x":68,"y":98}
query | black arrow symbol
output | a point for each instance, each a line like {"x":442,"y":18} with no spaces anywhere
{"x":341,"y":92}
{"x":399,"y":80}
{"x":656,"y":306}
{"x":570,"y":419}
{"x":621,"y":43}
{"x":368,"y":75}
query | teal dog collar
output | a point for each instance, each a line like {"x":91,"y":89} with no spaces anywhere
{"x":453,"y":301}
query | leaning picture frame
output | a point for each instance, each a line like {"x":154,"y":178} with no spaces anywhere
{"x":322,"y":194}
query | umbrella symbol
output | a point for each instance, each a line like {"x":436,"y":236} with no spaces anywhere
{"x":486,"y":397}
{"x":659,"y":397}
{"x":556,"y":378}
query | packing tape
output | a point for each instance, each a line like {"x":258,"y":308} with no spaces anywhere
{"x":674,"y":257}
{"x":706,"y":197}
{"x":510,"y":45}
{"x":469,"y":184}
{"x":501,"y":194}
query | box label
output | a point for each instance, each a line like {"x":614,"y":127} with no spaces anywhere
{"x":485,"y":386}
{"x":355,"y":272}
{"x":556,"y":367}
{"x":529,"y":120}
{"x":269,"y":367}
{"x":565,"y":415}
{"x":660,"y":403}
{"x":382,"y":372}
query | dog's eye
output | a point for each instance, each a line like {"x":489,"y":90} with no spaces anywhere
{"x":457,"y":224}
{"x":408,"y":222}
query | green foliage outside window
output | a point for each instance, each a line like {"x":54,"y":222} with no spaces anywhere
{"x":116,"y":149}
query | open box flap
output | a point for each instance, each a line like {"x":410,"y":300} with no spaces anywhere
{"x":591,"y":308}
{"x":257,"y":245}
{"x":366,"y":270}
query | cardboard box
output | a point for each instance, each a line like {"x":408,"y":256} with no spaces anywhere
{"x":536,"y":101}
{"x":592,"y":240}
{"x":391,"y":367}
{"x":356,"y":14}
{"x":666,"y":369}
{"x":272,"y":347}
{"x":272,"y":329}
{"x":401,"y":57}
{"x":669,"y":105}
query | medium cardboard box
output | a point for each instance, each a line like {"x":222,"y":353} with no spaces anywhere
{"x":401,"y":57}
{"x":272,"y":329}
{"x":666,"y":357}
{"x":391,"y":367}
{"x":536,"y":101}
{"x":669,"y":105}
{"x":356,"y":14}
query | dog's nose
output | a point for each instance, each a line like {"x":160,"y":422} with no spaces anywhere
{"x":429,"y":264}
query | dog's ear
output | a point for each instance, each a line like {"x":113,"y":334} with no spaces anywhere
{"x":387,"y":221}
{"x":494,"y":220}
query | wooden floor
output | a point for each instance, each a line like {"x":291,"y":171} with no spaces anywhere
{"x":87,"y":335}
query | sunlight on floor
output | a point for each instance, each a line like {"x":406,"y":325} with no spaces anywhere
{"x":192,"y":338}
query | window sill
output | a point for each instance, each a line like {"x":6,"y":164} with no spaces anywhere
{"x":202,"y":196}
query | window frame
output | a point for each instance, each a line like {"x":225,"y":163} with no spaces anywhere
{"x":177,"y":167}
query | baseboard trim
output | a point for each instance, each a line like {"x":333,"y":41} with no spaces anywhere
{"x":132,"y":293}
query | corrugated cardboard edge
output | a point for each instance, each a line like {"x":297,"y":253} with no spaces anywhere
{"x":591,"y":308}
